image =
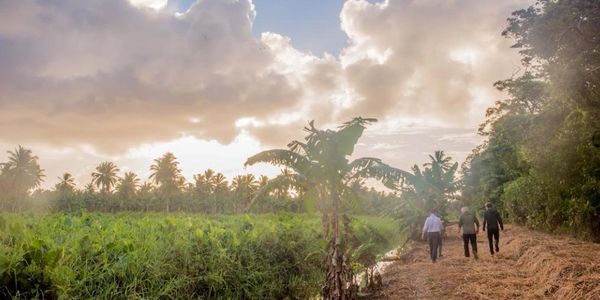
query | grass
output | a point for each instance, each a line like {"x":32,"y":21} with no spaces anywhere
{"x":175,"y":256}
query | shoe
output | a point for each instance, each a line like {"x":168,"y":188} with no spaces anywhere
{"x":497,"y":249}
{"x":475,"y":255}
{"x":440,"y":255}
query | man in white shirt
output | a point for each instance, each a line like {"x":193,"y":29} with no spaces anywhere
{"x":433,"y":229}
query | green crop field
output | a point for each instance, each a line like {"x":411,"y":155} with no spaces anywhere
{"x":172,"y":256}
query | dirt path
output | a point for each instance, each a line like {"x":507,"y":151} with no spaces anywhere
{"x":530,"y":265}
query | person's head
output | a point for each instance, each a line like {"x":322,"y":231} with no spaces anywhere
{"x":434,"y":211}
{"x":488,"y":205}
{"x":464,"y":209}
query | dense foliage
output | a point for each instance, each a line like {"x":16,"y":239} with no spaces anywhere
{"x":210,"y":192}
{"x":541,"y":161}
{"x":152,"y":256}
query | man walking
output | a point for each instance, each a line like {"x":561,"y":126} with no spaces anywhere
{"x":440,"y":243}
{"x":492,"y":219}
{"x":470,"y":228}
{"x":433,"y":229}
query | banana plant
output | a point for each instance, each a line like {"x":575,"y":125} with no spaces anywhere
{"x":320,"y":165}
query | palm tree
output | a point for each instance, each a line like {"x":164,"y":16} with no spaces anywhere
{"x":127,"y":187}
{"x":220,"y":183}
{"x":65,"y":189}
{"x":322,"y":165}
{"x":22,"y":173}
{"x":89,"y":188}
{"x":145,"y":193}
{"x":244,"y":187}
{"x":439,"y":160}
{"x":167,"y":176}
{"x":281,"y":186}
{"x":262,"y":181}
{"x":220,"y":191}
{"x":105,"y":177}
{"x":66,"y":184}
{"x":429,"y":188}
{"x":440,"y":173}
{"x":204,"y":184}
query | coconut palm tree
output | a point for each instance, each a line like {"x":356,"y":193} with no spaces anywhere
{"x":429,"y":188}
{"x":145,"y":193}
{"x":284,"y":186}
{"x":440,"y":160}
{"x":89,"y":188}
{"x":105,"y":177}
{"x":262,"y":181}
{"x":220,"y":183}
{"x":204,"y":184}
{"x":66,"y":184}
{"x":244,"y":188}
{"x":22,"y":173}
{"x":165,"y":173}
{"x":321,"y":164}
{"x":220,"y":191}
{"x":127,"y":188}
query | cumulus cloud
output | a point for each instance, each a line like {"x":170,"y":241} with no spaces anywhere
{"x":106,"y":73}
{"x":112,"y":75}
{"x":426,"y":59}
{"x":430,"y":62}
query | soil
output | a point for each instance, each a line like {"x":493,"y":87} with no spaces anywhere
{"x":530,"y":265}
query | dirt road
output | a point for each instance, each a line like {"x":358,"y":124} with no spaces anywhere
{"x":530,"y":265}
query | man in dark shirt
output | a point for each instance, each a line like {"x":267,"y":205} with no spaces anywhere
{"x":492,"y":219}
{"x":470,"y":228}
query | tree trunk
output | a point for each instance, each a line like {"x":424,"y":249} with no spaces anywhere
{"x":338,"y":285}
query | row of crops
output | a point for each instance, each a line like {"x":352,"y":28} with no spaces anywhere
{"x":134,"y":256}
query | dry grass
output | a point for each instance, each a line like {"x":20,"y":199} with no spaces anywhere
{"x":530,"y":265}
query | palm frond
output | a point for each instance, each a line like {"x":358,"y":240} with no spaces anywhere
{"x":280,"y":181}
{"x":368,"y":167}
{"x":281,"y":157}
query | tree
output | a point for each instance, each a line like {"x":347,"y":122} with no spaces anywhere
{"x":146,"y":195}
{"x":321,"y":163}
{"x":165,"y":173}
{"x":244,"y":187}
{"x":539,"y":163}
{"x":127,"y":188}
{"x":20,"y":174}
{"x":221,"y":188}
{"x":66,"y":184}
{"x":262,"y":181}
{"x":66,"y":197}
{"x":105,"y":177}
{"x":427,"y":189}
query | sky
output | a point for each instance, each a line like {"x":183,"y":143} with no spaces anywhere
{"x":216,"y":81}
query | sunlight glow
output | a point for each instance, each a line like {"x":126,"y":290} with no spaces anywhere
{"x":154,"y":4}
{"x":466,"y":56}
{"x":196,"y":155}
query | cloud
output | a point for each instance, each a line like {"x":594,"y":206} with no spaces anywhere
{"x":106,"y":73}
{"x":426,"y":59}
{"x":430,"y":62}
{"x":405,"y":148}
{"x":111,"y":76}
